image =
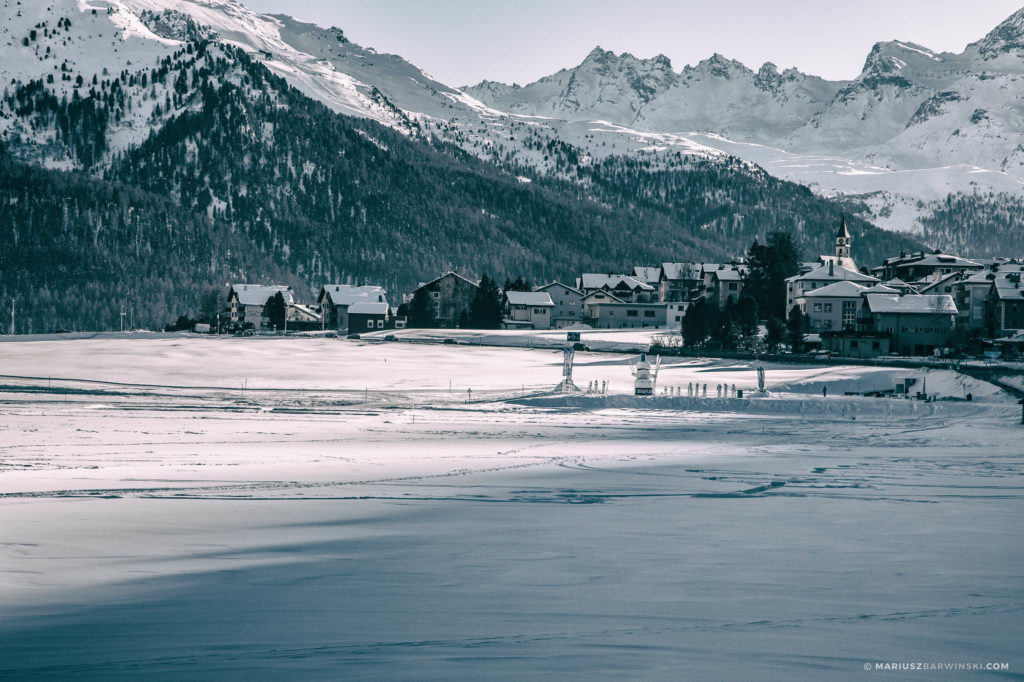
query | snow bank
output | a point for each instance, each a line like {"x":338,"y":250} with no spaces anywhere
{"x":836,"y":408}
{"x":626,"y":340}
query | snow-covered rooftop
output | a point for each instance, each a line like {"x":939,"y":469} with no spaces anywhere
{"x":529,"y":298}
{"x":368,"y":308}
{"x":681,"y":270}
{"x":728,"y":274}
{"x":600,"y":293}
{"x":556,"y":283}
{"x":257,"y":294}
{"x":591,"y":280}
{"x":348,"y":294}
{"x":879,"y":289}
{"x":1007,"y":288}
{"x":915,"y":304}
{"x":841,"y":289}
{"x":646,"y":273}
{"x":304,"y":309}
{"x":845,"y":261}
{"x":931,"y":259}
{"x":450,"y":273}
{"x":833,"y":272}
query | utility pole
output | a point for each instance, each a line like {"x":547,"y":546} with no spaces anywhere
{"x":12,"y":317}
{"x":122,"y":317}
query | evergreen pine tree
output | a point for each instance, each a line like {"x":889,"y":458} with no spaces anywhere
{"x":421,"y":310}
{"x":769,"y":266}
{"x":693,"y":331}
{"x":726,"y":334}
{"x":209,"y":306}
{"x":746,"y":319}
{"x":275,"y":310}
{"x":795,"y":328}
{"x":488,"y":301}
{"x":775,"y":334}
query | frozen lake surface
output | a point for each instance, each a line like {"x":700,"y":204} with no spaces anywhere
{"x":351,"y":516}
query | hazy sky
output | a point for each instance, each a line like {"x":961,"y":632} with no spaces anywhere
{"x":461,"y":42}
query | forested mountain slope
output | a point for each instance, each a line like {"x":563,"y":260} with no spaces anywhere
{"x":243,"y":177}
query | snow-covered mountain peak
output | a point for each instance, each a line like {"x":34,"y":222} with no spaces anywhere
{"x":770,"y":79}
{"x":768,"y":71}
{"x":608,"y":57}
{"x":895,"y":57}
{"x":720,"y":66}
{"x":599,"y":54}
{"x":1007,"y":37}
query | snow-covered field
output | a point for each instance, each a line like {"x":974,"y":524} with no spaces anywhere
{"x":350,"y":516}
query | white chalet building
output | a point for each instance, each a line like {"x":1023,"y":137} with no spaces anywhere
{"x":528,"y":310}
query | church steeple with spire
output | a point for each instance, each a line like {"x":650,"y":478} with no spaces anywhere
{"x":843,"y":240}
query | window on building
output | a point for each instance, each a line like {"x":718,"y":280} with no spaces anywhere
{"x":733,"y":286}
{"x":648,"y":313}
{"x":380,"y":324}
{"x":632,"y":313}
{"x":817,"y":307}
{"x":876,"y":345}
{"x":369,"y":324}
{"x":828,"y":307}
{"x":854,"y":344}
{"x":538,"y":311}
{"x":849,"y":314}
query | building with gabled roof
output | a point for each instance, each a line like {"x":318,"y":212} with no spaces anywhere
{"x":625,"y":287}
{"x":976,"y":296}
{"x":917,"y":266}
{"x":799,"y":285}
{"x":528,"y":309}
{"x":568,"y":310}
{"x":336,"y":299}
{"x":610,"y":314}
{"x":724,"y":282}
{"x":1007,"y":299}
{"x":917,"y":324}
{"x":680,"y":282}
{"x":450,"y":294}
{"x":246,"y":302}
{"x":833,"y":307}
{"x":941,"y":283}
{"x":647,"y":274}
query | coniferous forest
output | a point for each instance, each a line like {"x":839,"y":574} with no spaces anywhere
{"x":247,"y":179}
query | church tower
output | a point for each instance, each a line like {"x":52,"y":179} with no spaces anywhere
{"x":843,"y":240}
